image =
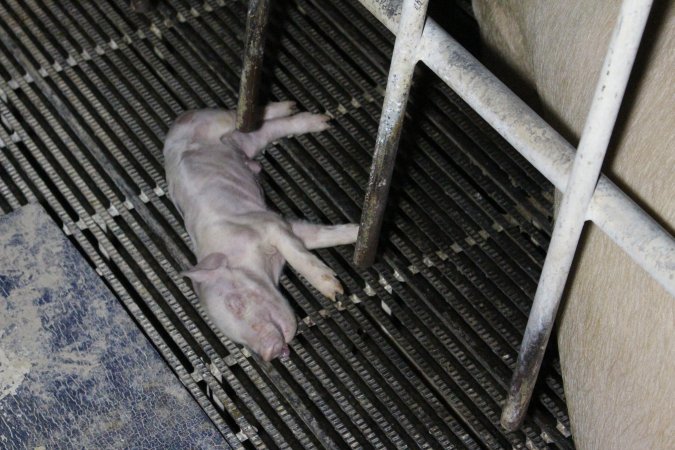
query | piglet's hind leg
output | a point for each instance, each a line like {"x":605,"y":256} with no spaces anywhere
{"x":322,"y":236}
{"x":271,"y":130}
{"x":280,"y":109}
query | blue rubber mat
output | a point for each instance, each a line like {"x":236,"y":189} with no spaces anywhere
{"x":75,"y":371}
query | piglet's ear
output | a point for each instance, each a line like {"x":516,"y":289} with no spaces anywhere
{"x":207,"y":268}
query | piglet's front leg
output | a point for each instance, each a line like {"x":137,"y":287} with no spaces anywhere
{"x":304,"y":262}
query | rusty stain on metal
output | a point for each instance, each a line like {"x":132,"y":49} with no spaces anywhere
{"x":256,"y":26}
{"x":403,"y":62}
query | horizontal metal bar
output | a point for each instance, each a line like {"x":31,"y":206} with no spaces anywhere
{"x":630,"y":227}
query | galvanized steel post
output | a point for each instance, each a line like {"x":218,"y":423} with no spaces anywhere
{"x":403,"y":61}
{"x":588,"y":160}
{"x":256,"y":25}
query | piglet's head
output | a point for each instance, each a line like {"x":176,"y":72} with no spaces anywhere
{"x":244,"y":305}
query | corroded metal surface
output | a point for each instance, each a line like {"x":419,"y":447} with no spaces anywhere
{"x":399,"y":81}
{"x":254,"y":46}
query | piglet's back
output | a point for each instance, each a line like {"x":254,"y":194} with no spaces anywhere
{"x":208,"y":180}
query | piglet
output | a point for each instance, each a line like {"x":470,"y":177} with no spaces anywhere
{"x":240,"y":246}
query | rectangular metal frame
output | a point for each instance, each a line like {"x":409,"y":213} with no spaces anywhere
{"x":651,"y":246}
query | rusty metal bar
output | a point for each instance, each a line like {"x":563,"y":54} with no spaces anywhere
{"x":403,"y":62}
{"x":256,"y":26}
{"x":609,"y":93}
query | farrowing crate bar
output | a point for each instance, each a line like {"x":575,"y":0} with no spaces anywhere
{"x":649,"y":244}
{"x":419,"y":39}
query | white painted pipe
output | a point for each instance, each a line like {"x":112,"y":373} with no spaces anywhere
{"x":651,"y":246}
{"x":588,"y":161}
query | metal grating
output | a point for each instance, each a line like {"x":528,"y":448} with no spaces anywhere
{"x":420,"y":350}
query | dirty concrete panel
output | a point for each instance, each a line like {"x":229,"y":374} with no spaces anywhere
{"x":75,"y":371}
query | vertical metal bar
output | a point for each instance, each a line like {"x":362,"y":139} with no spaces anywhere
{"x":404,"y":58}
{"x":256,"y":25}
{"x":597,"y":132}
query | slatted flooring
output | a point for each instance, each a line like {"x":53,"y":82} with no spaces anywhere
{"x":419,"y":351}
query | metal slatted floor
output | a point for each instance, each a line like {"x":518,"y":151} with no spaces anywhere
{"x":419,"y":351}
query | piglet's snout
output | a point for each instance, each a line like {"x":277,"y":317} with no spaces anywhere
{"x":271,"y":343}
